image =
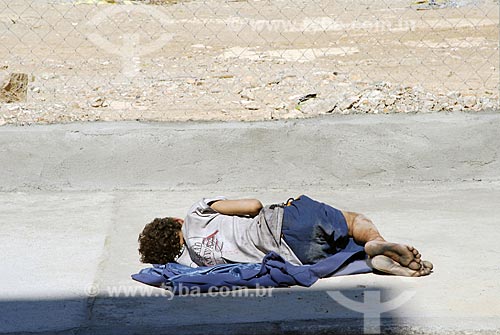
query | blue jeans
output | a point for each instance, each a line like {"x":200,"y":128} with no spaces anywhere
{"x":315,"y":230}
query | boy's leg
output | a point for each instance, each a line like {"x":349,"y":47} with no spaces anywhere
{"x":364,"y":232}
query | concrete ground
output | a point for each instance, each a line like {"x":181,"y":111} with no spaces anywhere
{"x":74,"y":197}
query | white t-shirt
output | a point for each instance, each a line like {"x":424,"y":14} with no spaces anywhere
{"x":213,"y":238}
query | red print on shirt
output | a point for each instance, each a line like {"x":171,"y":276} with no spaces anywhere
{"x":209,"y":250}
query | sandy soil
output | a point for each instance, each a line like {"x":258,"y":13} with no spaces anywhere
{"x":247,"y":60}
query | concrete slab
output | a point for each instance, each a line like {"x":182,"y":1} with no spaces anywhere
{"x":328,"y":152}
{"x":76,"y":196}
{"x":51,"y":245}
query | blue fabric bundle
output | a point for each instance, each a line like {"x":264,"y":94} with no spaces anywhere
{"x":274,"y":271}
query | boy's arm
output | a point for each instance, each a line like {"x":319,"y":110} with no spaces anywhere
{"x":240,"y":207}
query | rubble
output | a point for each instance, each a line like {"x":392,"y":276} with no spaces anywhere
{"x":388,"y":98}
{"x":14,"y":87}
{"x":99,"y":102}
{"x":280,"y":101}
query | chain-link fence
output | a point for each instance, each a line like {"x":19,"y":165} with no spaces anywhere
{"x":69,"y":60}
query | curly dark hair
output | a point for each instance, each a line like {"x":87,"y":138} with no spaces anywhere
{"x":159,"y":241}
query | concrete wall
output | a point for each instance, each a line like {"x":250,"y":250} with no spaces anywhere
{"x":332,"y":152}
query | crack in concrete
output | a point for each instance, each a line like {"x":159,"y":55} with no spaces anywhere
{"x":91,"y":300}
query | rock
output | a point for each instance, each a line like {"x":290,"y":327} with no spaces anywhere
{"x":390,"y":100}
{"x":454,"y":95}
{"x":247,"y":94}
{"x":487,"y":103}
{"x":418,"y":90}
{"x":347,"y":102}
{"x":445,"y":106}
{"x":99,"y":102}
{"x":363,"y":105}
{"x":75,"y":105}
{"x":250,"y":105}
{"x":400,"y":92}
{"x":430,"y":96}
{"x":280,"y":105}
{"x":383,"y":84}
{"x":14,"y":88}
{"x":319,"y":107}
{"x":469,"y":101}
{"x":374,"y":96}
{"x":370,"y":101}
{"x":294,"y":97}
{"x":428,"y":106}
{"x":306,"y":97}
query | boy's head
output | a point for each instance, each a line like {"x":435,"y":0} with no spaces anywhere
{"x":160,"y":241}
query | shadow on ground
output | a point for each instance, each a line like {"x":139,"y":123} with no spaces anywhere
{"x":289,"y":311}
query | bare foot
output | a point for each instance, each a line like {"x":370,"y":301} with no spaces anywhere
{"x":405,"y":255}
{"x":387,"y":265}
{"x":428,"y":265}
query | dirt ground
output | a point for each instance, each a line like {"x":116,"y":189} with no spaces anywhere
{"x":247,"y":60}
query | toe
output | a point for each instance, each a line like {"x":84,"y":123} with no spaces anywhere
{"x":414,"y":265}
{"x":428,"y":265}
{"x":416,"y":274}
